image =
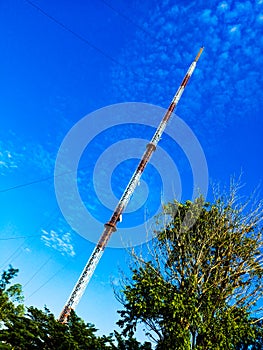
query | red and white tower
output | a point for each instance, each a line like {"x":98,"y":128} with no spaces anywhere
{"x":110,"y":226}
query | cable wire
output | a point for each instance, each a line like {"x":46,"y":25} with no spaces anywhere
{"x":80,"y":37}
{"x":38,"y":270}
{"x":121,"y":14}
{"x":46,"y":282}
{"x":19,"y":251}
{"x":17,"y":237}
{"x":26,"y":184}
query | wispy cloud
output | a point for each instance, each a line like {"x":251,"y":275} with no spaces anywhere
{"x":229,"y":76}
{"x":115,"y":281}
{"x":62,"y":242}
{"x":7,"y":160}
{"x":19,"y":156}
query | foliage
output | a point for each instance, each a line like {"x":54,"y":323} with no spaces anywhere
{"x":37,"y":329}
{"x":40,"y":330}
{"x":129,"y":344}
{"x":255,"y":343}
{"x":199,"y":284}
{"x":10,"y":296}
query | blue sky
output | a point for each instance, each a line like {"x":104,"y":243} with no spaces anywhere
{"x":69,"y":59}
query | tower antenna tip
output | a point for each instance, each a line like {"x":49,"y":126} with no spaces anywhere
{"x":199,"y":53}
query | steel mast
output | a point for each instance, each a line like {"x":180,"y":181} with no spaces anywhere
{"x":110,"y":226}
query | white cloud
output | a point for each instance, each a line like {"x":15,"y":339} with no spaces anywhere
{"x":7,"y":160}
{"x":233,"y":29}
{"x":41,"y":158}
{"x":208,"y":17}
{"x":231,"y":33}
{"x":27,"y":250}
{"x":223,"y":6}
{"x":58,"y":241}
{"x":235,"y":33}
{"x":115,"y":281}
{"x":18,"y":155}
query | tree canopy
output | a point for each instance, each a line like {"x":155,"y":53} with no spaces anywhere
{"x":10,"y":295}
{"x":199,"y":284}
{"x":29,"y":328}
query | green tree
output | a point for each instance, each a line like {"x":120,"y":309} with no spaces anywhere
{"x":255,"y":343}
{"x":40,"y":330}
{"x":11,"y":297}
{"x":84,"y":334}
{"x":37,"y":329}
{"x":198,"y":284}
{"x":130,"y":343}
